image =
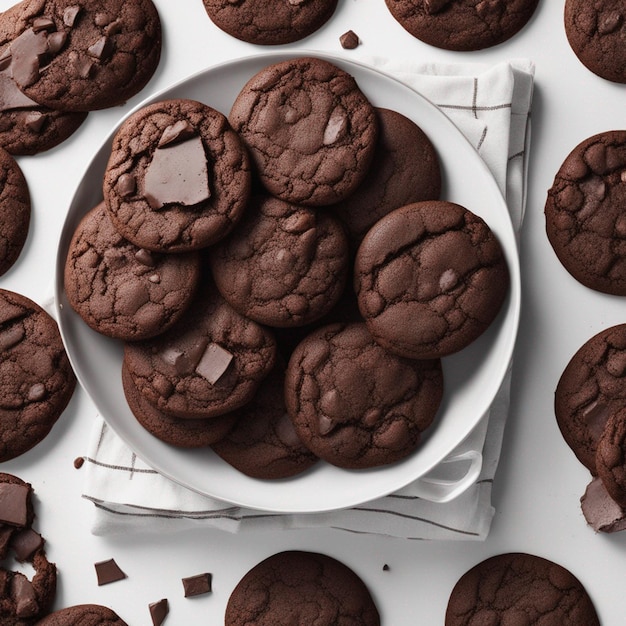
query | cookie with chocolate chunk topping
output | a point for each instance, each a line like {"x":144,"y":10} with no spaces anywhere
{"x":83,"y":615}
{"x":33,"y":391}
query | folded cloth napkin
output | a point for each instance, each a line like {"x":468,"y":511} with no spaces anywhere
{"x":491,"y":106}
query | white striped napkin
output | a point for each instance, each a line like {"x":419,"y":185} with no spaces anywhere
{"x":491,"y":106}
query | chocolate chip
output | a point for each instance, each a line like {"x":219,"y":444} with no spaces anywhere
{"x":79,"y":461}
{"x":108,"y":572}
{"x":158,"y":611}
{"x":14,"y":504}
{"x":185,"y":360}
{"x":10,"y":336}
{"x":37,"y":392}
{"x":56,"y":41}
{"x":126,"y":185}
{"x":35,"y":121}
{"x":25,"y":543}
{"x":197,"y":585}
{"x":175,"y":133}
{"x":337,"y":126}
{"x":214,"y":363}
{"x":349,"y":40}
{"x":101,"y":49}
{"x":23,"y":594}
{"x":386,"y":567}
{"x":70,"y":14}
{"x":145,"y":257}
{"x":43,"y":24}
{"x":434,"y":6}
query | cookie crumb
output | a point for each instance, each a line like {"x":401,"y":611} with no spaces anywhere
{"x":79,"y":461}
{"x":197,"y":585}
{"x":349,"y":40}
{"x":108,"y":572}
{"x":158,"y":611}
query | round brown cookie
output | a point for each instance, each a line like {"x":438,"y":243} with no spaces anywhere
{"x":83,"y":615}
{"x":519,"y":588}
{"x":264,"y":444}
{"x":595,"y":32}
{"x":310,"y":130}
{"x":121,"y":290}
{"x":430,"y":277}
{"x":177,"y":432}
{"x":33,"y":392}
{"x":254,"y":21}
{"x":591,"y":387}
{"x":462,"y":24}
{"x":15,"y":211}
{"x":584,"y":212}
{"x":405,"y":169}
{"x":178,"y":177}
{"x":356,"y":405}
{"x":80,"y":55}
{"x":611,"y":457}
{"x":284,"y":265}
{"x":296,"y":587}
{"x":209,"y":363}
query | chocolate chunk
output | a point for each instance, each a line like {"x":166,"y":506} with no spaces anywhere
{"x":126,"y":185}
{"x":101,"y":49}
{"x":434,"y":6}
{"x":23,"y":594}
{"x":145,"y":257}
{"x":25,"y":543}
{"x":349,"y":40}
{"x":178,"y":174}
{"x":43,"y":23}
{"x":175,"y":133}
{"x":79,"y":461}
{"x":214,"y":363}
{"x":197,"y":585}
{"x":386,"y":567}
{"x":70,"y":14}
{"x":108,"y":572}
{"x":35,"y":121}
{"x":6,"y":532}
{"x":602,"y":513}
{"x":27,"y":51}
{"x":14,"y":504}
{"x":184,"y":361}
{"x":158,"y":611}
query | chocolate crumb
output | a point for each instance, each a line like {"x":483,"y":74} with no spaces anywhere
{"x":197,"y":585}
{"x":349,"y":40}
{"x":158,"y":611}
{"x":108,"y":572}
{"x":386,"y":567}
{"x":79,"y":461}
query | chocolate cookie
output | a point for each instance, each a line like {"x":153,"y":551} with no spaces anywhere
{"x":33,"y":392}
{"x":83,"y":615}
{"x":405,"y":169}
{"x":518,"y":588}
{"x":310,"y":130}
{"x":610,"y":457}
{"x":15,"y":211}
{"x":284,"y":265}
{"x":584,"y":212}
{"x":23,"y":600}
{"x":72,"y":55}
{"x":430,"y":277}
{"x":595,"y":32}
{"x":178,"y":177}
{"x":264,"y":444}
{"x":356,"y":405}
{"x":591,"y":387}
{"x":121,"y":290}
{"x":209,"y":363}
{"x":462,"y":24}
{"x":174,"y":431}
{"x":297,"y":587}
{"x":254,"y":21}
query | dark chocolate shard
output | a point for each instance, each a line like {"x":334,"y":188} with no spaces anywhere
{"x":14,"y":504}
{"x":108,"y":572}
{"x":349,"y":40}
{"x":602,"y":513}
{"x":197,"y":585}
{"x":159,"y":611}
{"x":214,"y":362}
{"x":23,"y":594}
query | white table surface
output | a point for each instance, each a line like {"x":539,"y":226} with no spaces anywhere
{"x":539,"y":481}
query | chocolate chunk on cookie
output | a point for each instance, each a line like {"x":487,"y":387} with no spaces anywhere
{"x":430,"y":278}
{"x":302,"y":588}
{"x":519,"y":588}
{"x":33,"y":391}
{"x":176,"y":432}
{"x":462,"y":24}
{"x":15,"y":209}
{"x":584,"y":212}
{"x":209,"y":363}
{"x":284,"y":265}
{"x":263,"y":443}
{"x":121,"y":290}
{"x":285,"y":21}
{"x":83,"y":615}
{"x":611,"y":456}
{"x":356,"y":405}
{"x":310,"y":129}
{"x":601,"y":512}
{"x":591,"y":388}
{"x":80,"y":56}
{"x":178,"y":177}
{"x":405,"y":169}
{"x":595,"y":32}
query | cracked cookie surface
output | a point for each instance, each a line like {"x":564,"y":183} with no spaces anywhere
{"x":356,"y":405}
{"x":178,"y":177}
{"x":430,"y":277}
{"x":83,"y":615}
{"x":285,"y":21}
{"x":462,"y":24}
{"x":121,"y":290}
{"x":284,"y":265}
{"x":595,"y":32}
{"x":15,"y":210}
{"x":584,"y":212}
{"x":311,"y":131}
{"x":296,"y":587}
{"x":33,"y":391}
{"x":519,"y":588}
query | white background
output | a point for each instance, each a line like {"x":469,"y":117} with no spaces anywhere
{"x":539,"y":481}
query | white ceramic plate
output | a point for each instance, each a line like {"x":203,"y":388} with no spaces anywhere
{"x":472,"y":377}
